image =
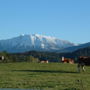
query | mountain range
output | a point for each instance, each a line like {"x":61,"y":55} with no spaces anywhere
{"x":37,"y":42}
{"x":75,"y":48}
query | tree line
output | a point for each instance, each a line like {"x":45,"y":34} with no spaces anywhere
{"x":35,"y":56}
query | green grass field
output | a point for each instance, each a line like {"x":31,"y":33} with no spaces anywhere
{"x":51,"y":76}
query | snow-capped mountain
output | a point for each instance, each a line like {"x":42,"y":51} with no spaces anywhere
{"x":37,"y":42}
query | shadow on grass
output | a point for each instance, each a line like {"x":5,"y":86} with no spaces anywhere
{"x":71,"y":89}
{"x":45,"y":71}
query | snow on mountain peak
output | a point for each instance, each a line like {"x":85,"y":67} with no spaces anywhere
{"x":33,"y":42}
{"x":22,"y":34}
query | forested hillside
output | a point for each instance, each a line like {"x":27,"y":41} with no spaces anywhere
{"x":34,"y":56}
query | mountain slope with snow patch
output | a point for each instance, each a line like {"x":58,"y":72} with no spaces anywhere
{"x":37,"y":42}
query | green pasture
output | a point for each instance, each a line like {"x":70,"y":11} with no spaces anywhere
{"x":51,"y":76}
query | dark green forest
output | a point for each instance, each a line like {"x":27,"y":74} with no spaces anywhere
{"x":35,"y":56}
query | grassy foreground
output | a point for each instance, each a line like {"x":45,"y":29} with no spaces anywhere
{"x":51,"y":76}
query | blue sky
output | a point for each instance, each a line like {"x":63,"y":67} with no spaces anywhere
{"x":64,"y":19}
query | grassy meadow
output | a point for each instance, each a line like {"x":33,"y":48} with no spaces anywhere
{"x":51,"y":76}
